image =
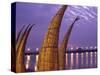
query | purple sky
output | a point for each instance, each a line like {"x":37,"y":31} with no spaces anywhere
{"x":84,"y":32}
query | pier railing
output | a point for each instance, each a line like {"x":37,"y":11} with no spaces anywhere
{"x":75,"y":59}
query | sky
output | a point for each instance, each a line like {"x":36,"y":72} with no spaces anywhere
{"x":84,"y":32}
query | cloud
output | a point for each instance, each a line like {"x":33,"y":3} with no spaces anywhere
{"x":85,"y":7}
{"x":72,"y":12}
